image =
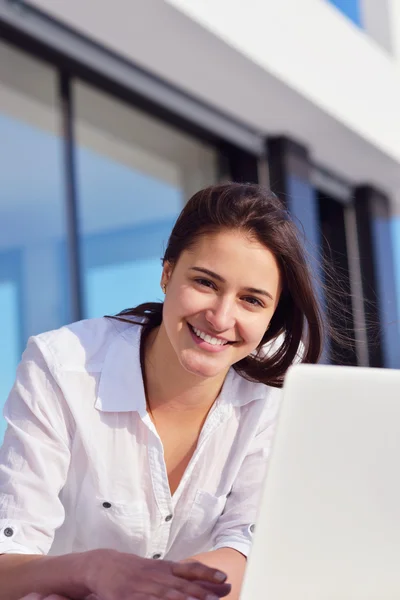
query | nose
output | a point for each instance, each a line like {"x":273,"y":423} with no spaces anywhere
{"x":221,"y":315}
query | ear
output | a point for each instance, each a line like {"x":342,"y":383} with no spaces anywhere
{"x":166,"y":273}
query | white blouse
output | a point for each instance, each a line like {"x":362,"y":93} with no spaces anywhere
{"x":82,"y":465}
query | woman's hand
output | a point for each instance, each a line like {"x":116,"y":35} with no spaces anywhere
{"x":112,"y":575}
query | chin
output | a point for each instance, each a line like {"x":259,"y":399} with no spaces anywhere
{"x":202,"y":367}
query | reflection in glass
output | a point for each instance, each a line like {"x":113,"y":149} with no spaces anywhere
{"x":134,"y":174}
{"x":396,"y":244}
{"x":385,"y":268}
{"x":33,"y":269}
{"x":351,"y":8}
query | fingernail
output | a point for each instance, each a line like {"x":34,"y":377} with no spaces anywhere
{"x":212,"y":597}
{"x":219,"y":576}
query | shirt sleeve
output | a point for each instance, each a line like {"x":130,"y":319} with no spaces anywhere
{"x":34,"y":458}
{"x":236,"y":525}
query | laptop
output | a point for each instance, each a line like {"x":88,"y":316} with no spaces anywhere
{"x":328,"y":526}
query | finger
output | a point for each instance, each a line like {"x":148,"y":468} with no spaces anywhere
{"x":177,"y":595}
{"x":196,"y":570}
{"x":161,"y":585}
{"x":218,"y":589}
{"x":33,"y":597}
{"x":189,"y":589}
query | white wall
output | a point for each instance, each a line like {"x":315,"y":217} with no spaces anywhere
{"x":299,"y":68}
{"x":393,"y":7}
{"x":376,"y":19}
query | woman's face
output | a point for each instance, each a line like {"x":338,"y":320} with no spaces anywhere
{"x":221,"y":295}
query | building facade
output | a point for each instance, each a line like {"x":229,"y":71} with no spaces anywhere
{"x":113,"y":113}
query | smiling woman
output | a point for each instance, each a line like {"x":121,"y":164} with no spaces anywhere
{"x":113,"y":448}
{"x":236,"y":245}
{"x":227,"y":314}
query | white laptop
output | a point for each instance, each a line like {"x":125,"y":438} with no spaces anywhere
{"x":329,"y":521}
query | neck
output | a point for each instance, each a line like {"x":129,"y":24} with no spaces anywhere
{"x":169,"y":387}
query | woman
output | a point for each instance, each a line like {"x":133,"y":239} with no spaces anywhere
{"x":146,"y":436}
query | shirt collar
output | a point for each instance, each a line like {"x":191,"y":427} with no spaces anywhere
{"x":238,"y":391}
{"x":121,"y":387}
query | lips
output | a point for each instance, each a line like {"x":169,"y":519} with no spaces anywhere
{"x":213,"y":340}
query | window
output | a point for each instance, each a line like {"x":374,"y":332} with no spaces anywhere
{"x":335,"y":251}
{"x":134,"y":174}
{"x":34,"y":289}
{"x":351,"y":8}
{"x":396,"y":243}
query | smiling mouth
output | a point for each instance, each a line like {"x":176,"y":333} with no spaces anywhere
{"x":208,"y":338}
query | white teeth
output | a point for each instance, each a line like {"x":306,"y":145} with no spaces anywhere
{"x":207,"y":338}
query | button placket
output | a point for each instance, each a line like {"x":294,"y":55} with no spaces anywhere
{"x":162,"y":494}
{"x":220,"y":413}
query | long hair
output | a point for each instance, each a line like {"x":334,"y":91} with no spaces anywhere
{"x":297,"y":328}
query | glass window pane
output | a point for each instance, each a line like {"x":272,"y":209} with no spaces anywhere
{"x":134,"y":174}
{"x":33,"y":268}
{"x":396,"y":243}
{"x":351,"y":8}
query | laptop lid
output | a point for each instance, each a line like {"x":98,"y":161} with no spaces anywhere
{"x":329,"y":520}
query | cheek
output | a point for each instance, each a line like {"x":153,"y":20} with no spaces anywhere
{"x":253,"y":331}
{"x":180,"y":303}
{"x":188,"y":301}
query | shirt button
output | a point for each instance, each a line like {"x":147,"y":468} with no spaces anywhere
{"x":106,"y":505}
{"x":156,"y":556}
{"x":8,"y":532}
{"x":168,"y":518}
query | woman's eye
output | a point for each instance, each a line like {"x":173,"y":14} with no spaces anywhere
{"x":205,"y":282}
{"x":253,"y":301}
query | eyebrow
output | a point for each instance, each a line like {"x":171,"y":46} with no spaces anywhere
{"x":222,"y":280}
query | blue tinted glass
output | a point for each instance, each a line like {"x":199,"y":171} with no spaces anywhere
{"x":33,"y":269}
{"x":304,"y":209}
{"x":385,"y":267}
{"x":133,"y":176}
{"x":351,"y":8}
{"x":122,"y":263}
{"x":10,"y":336}
{"x":396,"y":246}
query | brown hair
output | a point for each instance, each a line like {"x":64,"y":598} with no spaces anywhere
{"x":298,"y":320}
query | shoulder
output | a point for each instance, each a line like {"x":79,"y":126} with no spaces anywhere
{"x":253,"y":397}
{"x":80,"y":345}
